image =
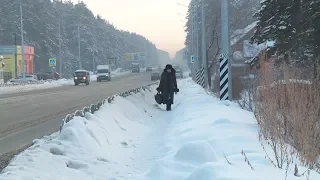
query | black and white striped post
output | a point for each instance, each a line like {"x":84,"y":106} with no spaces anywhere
{"x":224,"y":77}
{"x":200,"y":78}
{"x":225,"y":73}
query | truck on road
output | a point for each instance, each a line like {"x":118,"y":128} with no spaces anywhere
{"x":135,"y":67}
{"x":103,"y":73}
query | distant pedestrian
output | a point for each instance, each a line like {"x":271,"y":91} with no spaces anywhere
{"x":168,"y":86}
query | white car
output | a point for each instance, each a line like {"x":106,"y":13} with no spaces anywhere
{"x":28,"y":79}
{"x":179,"y":74}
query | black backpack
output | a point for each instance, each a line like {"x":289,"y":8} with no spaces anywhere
{"x":158,"y":98}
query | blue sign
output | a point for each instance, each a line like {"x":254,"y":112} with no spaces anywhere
{"x":192,"y":59}
{"x":136,"y":57}
{"x":7,"y":50}
{"x":52,"y":62}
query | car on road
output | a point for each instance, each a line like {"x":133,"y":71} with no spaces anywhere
{"x":81,"y":76}
{"x":135,"y":67}
{"x":29,"y":78}
{"x":155,"y":76}
{"x":179,"y":74}
{"x":149,"y":68}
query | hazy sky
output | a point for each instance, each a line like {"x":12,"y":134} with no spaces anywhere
{"x":157,"y":20}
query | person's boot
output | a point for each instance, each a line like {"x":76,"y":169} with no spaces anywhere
{"x":168,"y":107}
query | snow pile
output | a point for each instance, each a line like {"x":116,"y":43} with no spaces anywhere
{"x":132,"y":138}
{"x":30,"y":87}
{"x":96,"y":147}
{"x":240,"y":33}
{"x":205,"y":140}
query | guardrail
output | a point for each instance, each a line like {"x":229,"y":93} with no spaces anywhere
{"x":95,"y":107}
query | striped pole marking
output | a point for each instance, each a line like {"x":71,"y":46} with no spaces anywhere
{"x":198,"y":76}
{"x":202,"y":77}
{"x":223,"y":77}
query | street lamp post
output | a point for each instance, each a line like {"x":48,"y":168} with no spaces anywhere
{"x":60,"y":56}
{"x":203,"y":45}
{"x":225,"y":42}
{"x":198,"y":62}
{"x":22,"y":43}
{"x":79,"y":47}
{"x":15,"y":55}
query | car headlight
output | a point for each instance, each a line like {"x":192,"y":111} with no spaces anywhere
{"x":84,"y":78}
{"x":75,"y":77}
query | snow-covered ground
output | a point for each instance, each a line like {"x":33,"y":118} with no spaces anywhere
{"x":133,"y":138}
{"x":30,"y":87}
{"x":51,"y":84}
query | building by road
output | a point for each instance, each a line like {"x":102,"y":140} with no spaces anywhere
{"x":13,"y":60}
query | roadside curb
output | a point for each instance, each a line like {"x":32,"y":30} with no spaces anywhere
{"x":92,"y":108}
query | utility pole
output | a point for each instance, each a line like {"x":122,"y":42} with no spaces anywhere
{"x":60,"y":56}
{"x":203,"y":45}
{"x":15,"y":56}
{"x":22,"y":43}
{"x":92,"y":61}
{"x":225,"y":42}
{"x":79,"y":47}
{"x":198,"y":62}
{"x":193,"y":39}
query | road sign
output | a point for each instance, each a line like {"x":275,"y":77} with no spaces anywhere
{"x":128,"y":57}
{"x":52,"y":62}
{"x":192,"y":59}
{"x":142,"y":56}
{"x":136,"y":57}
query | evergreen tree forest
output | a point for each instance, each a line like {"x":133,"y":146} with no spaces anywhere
{"x":98,"y":38}
{"x":294,"y":25}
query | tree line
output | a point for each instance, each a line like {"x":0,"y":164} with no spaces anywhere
{"x":99,"y":39}
{"x":294,"y":25}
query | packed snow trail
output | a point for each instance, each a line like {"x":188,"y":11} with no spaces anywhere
{"x":135,"y":139}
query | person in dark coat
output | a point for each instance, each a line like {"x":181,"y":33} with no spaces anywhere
{"x":168,"y":86}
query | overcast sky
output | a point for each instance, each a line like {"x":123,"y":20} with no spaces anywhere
{"x":157,"y":20}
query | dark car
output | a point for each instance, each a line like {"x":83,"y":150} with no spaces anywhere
{"x":81,"y":76}
{"x":149,"y":68}
{"x":179,"y":74}
{"x":135,"y":70}
{"x":155,"y":76}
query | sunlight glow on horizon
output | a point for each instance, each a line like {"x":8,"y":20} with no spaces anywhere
{"x":157,"y":20}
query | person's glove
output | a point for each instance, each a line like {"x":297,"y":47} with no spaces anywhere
{"x":176,"y":90}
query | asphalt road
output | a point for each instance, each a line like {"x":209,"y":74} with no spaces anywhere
{"x":30,"y":115}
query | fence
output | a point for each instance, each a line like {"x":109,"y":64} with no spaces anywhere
{"x":95,"y":107}
{"x":7,"y":76}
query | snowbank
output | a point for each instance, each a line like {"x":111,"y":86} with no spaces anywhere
{"x":30,"y":87}
{"x":132,"y":138}
{"x":100,"y":146}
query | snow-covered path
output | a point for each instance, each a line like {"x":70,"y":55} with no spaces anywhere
{"x":132,"y":138}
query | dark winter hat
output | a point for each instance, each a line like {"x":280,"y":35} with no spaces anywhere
{"x":168,"y":66}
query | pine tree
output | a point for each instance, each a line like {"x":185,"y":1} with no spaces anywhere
{"x":99,"y":39}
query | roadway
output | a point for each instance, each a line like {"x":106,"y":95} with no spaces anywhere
{"x":26,"y":116}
